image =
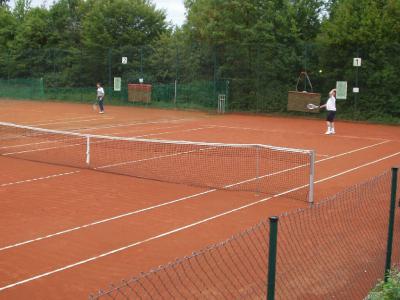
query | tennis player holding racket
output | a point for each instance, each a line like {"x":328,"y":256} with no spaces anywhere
{"x":331,"y":109}
{"x":100,"y":98}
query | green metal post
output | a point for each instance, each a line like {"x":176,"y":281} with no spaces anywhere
{"x":391,"y":223}
{"x":273,"y":242}
{"x":141,"y":62}
{"x":110,"y":73}
{"x":215,"y":71}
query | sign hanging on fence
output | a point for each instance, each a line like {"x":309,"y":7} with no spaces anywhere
{"x":124,"y":60}
{"x":117,"y":84}
{"x":341,"y":90}
{"x":356,"y":62}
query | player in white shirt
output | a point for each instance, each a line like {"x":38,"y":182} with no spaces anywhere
{"x":100,"y":97}
{"x":331,"y":109}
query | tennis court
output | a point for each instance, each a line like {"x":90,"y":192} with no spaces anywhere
{"x":68,"y":230}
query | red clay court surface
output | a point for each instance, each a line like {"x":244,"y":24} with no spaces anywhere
{"x":67,"y":232}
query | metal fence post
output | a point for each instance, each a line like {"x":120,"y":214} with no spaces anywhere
{"x":273,"y":241}
{"x":391,"y":223}
{"x":110,"y":73}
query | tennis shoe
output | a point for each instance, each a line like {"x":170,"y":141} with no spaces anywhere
{"x":101,"y":112}
{"x":328,"y":132}
{"x":333,"y":132}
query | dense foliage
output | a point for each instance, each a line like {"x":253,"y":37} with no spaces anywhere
{"x":389,"y":290}
{"x":259,"y":46}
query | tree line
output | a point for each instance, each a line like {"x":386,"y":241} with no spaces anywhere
{"x":259,"y":47}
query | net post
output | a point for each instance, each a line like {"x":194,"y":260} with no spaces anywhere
{"x":273,"y":242}
{"x":88,"y":151}
{"x":391,"y":223}
{"x":311,"y":184}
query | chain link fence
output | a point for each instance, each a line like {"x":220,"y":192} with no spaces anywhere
{"x":333,"y":250}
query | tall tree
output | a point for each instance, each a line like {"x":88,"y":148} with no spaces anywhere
{"x":7,"y":33}
{"x":117,"y":24}
{"x":4,"y":2}
{"x":21,"y":8}
{"x":369,"y":29}
{"x":255,"y":43}
{"x":31,"y":40}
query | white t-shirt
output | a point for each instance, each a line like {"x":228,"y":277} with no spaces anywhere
{"x":331,"y":104}
{"x":100,"y":92}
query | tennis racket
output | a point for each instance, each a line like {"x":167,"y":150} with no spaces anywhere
{"x":95,"y":105}
{"x":311,"y":106}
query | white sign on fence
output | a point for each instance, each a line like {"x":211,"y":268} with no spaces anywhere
{"x":341,"y":90}
{"x":117,"y":84}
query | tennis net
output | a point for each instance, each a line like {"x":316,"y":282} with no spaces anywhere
{"x":255,"y":168}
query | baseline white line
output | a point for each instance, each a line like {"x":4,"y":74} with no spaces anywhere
{"x":37,"y":179}
{"x":93,"y":258}
{"x":299,"y":132}
{"x":167,"y":203}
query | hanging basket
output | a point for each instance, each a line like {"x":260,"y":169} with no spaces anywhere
{"x":298,"y":100}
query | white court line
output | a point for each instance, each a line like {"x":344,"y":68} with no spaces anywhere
{"x":252,"y":179}
{"x":157,"y":206}
{"x":79,"y":138}
{"x":37,"y":179}
{"x":55,"y":120}
{"x":358,"y":167}
{"x":162,"y":121}
{"x":300,"y":132}
{"x":32,"y":144}
{"x":44,"y":149}
{"x":352,"y":151}
{"x":150,"y":158}
{"x":56,"y":141}
{"x":107,"y":220}
{"x":105,"y":254}
{"x":176,"y":131}
{"x":156,"y":133}
{"x":76,"y":121}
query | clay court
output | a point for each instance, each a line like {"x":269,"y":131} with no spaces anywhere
{"x":67,"y":232}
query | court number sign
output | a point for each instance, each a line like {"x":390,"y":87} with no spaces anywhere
{"x":356,"y":62}
{"x":124,"y":60}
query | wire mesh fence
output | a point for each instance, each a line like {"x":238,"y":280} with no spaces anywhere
{"x":253,"y":77}
{"x":333,"y":250}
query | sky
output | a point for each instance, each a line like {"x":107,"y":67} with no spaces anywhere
{"x":174,"y":8}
